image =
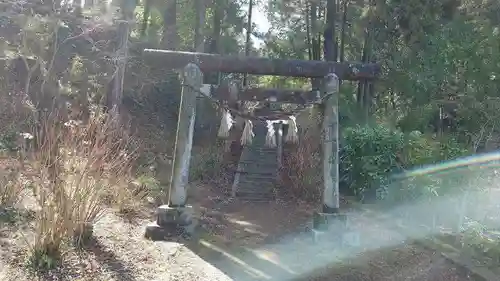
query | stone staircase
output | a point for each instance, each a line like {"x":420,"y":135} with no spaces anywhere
{"x":257,"y":171}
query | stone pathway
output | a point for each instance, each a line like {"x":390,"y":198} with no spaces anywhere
{"x":257,"y":170}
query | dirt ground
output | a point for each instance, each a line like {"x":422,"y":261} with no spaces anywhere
{"x":262,"y":226}
{"x":120,"y":251}
{"x":405,"y":262}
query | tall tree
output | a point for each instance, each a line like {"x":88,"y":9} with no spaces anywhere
{"x":248,"y":41}
{"x":170,"y":38}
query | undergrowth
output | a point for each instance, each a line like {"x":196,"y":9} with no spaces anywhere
{"x":11,"y":185}
{"x":301,"y":173}
{"x":76,"y":168}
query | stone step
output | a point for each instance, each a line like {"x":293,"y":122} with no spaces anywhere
{"x":259,"y":182}
{"x":256,"y":145}
{"x":258,"y":191}
{"x":259,"y":156}
{"x":260,"y":151}
{"x":262,"y":163}
{"x":261,"y":148}
{"x":261,"y":173}
{"x":255,"y":187}
{"x":257,"y":177}
{"x":256,"y":162}
{"x":257,"y":169}
{"x":255,"y":197}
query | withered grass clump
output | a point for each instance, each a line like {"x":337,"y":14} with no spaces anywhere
{"x":11,"y":185}
{"x":301,"y":173}
{"x":76,"y":168}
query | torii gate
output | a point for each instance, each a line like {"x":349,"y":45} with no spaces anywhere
{"x":177,"y":215}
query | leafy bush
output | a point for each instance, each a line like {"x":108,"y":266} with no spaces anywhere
{"x":372,"y":153}
{"x":369,"y":155}
{"x":477,"y":240}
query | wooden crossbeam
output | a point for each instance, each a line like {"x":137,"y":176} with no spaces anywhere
{"x":274,"y":95}
{"x":261,"y":66}
{"x":272,"y":114}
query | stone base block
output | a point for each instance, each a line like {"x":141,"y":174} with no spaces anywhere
{"x":333,"y":229}
{"x":325,"y":238}
{"x":172,"y":222}
{"x":158,"y":233}
{"x":188,"y":231}
{"x":340,"y":239}
{"x":351,"y":239}
{"x":327,"y":221}
{"x":177,"y":216}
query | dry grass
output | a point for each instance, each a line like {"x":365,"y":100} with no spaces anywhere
{"x":13,"y":116}
{"x":11,"y":185}
{"x":13,"y":112}
{"x":75,"y":170}
{"x":301,"y":172}
{"x":207,"y":162}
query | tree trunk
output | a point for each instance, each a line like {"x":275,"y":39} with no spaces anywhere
{"x":329,"y":34}
{"x":170,"y":38}
{"x":214,"y":41}
{"x":248,"y":42}
{"x":115,"y":100}
{"x":308,"y":31}
{"x":343,"y":31}
{"x":199,"y":37}
{"x":145,"y":17}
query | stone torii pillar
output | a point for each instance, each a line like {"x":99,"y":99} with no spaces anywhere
{"x":176,"y":217}
{"x":329,"y":219}
{"x":330,"y":159}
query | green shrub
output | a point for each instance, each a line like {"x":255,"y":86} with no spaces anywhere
{"x":8,"y":141}
{"x":371,"y":154}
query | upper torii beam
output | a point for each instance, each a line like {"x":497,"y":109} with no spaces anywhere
{"x":261,"y":66}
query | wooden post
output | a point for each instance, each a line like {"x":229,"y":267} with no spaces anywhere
{"x":331,"y":146}
{"x":176,"y":217}
{"x":184,"y":138}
